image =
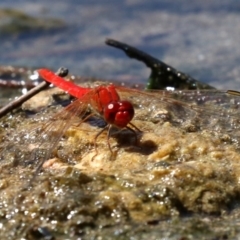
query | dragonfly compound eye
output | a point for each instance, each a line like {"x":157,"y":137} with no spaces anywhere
{"x":119,"y":113}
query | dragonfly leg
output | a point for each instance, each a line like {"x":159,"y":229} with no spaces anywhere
{"x":108,"y":128}
{"x":108,"y":136}
{"x":86,"y":118}
{"x":95,"y":140}
{"x":133,"y":127}
{"x":132,"y":130}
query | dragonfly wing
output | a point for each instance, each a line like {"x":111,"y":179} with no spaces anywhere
{"x":54,"y":129}
{"x":43,"y":139}
{"x":206,"y":109}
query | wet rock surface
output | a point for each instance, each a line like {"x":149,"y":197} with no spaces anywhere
{"x":180,"y":179}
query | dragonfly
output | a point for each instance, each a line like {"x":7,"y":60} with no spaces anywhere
{"x":103,"y":100}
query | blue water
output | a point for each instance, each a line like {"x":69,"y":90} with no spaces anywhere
{"x":198,"y":37}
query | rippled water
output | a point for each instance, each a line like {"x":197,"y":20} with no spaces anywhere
{"x":200,"y":38}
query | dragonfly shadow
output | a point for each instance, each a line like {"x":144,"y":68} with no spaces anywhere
{"x":131,"y":142}
{"x":147,"y":147}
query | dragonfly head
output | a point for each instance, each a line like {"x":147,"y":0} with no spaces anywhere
{"x":118,"y":113}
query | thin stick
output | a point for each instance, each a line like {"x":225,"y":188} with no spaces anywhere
{"x":62,"y":72}
{"x":233,"y":92}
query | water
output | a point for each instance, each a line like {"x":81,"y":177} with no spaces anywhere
{"x":197,"y":37}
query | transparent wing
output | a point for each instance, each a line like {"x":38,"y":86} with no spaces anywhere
{"x":40,"y":141}
{"x":194,"y":110}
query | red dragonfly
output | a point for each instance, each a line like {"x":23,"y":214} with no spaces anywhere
{"x":211,"y":109}
{"x":104,"y":101}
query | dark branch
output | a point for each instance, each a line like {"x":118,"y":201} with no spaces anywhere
{"x":62,"y":72}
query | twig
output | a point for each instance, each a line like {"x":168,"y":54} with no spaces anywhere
{"x":162,"y":75}
{"x":62,"y":72}
{"x":16,"y":84}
